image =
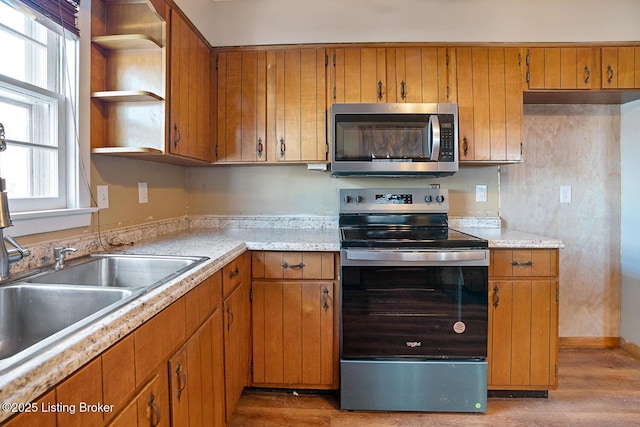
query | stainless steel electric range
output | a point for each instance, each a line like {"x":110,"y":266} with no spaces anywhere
{"x":413,"y":324}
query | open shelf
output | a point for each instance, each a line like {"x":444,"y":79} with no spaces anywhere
{"x":126,"y":96}
{"x":126,"y":42}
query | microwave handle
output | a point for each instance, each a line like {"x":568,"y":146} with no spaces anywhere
{"x":434,"y":137}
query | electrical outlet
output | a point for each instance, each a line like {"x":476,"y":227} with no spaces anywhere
{"x":103,"y":196}
{"x":143,"y":196}
{"x":481,"y":193}
{"x":565,"y":194}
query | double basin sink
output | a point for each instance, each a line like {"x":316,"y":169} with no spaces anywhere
{"x":40,"y":310}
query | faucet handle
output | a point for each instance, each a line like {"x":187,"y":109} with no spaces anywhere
{"x":23,"y":251}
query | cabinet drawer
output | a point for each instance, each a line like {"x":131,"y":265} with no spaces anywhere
{"x":524,"y":263}
{"x":293,"y":265}
{"x":235,"y":272}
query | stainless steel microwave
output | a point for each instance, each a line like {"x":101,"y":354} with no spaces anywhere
{"x":394,"y":139}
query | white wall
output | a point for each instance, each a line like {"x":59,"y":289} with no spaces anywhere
{"x":630,"y":241}
{"x":248,"y":22}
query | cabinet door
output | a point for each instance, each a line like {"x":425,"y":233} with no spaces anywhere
{"x":83,"y":386}
{"x":560,"y":68}
{"x":237,"y":344}
{"x":242,"y":106}
{"x":359,"y":75}
{"x":620,"y":68}
{"x":489,"y":104}
{"x":418,"y":74}
{"x":296,"y":103}
{"x":149,"y":407}
{"x":195,"y":372}
{"x":522,"y":343}
{"x":293,"y":342}
{"x":190,"y":92}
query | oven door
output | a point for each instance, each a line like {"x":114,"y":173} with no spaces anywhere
{"x":414,"y":304}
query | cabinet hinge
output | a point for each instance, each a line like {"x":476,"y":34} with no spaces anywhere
{"x":519,"y":59}
{"x":521,"y":150}
{"x":334,"y":59}
{"x":447,"y":92}
{"x":557,"y":295}
{"x":251,"y":294}
{"x":326,"y":60}
{"x":217,"y":62}
{"x":216,"y":151}
{"x":446,"y":59}
{"x":252,"y":369}
{"x":334,"y":93}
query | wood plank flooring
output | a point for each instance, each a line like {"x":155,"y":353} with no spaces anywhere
{"x":596,"y":387}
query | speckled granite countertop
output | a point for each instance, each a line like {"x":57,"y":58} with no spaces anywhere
{"x":29,"y":379}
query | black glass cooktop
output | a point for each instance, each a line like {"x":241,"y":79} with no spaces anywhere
{"x":408,"y":238}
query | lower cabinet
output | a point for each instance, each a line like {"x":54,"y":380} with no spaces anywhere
{"x":294,"y":320}
{"x":196,"y":378}
{"x":168,"y":372}
{"x":523,"y":319}
{"x":237,"y":329}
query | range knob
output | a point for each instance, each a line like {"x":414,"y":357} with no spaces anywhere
{"x":428,"y":198}
{"x":347,"y":199}
{"x":440,"y":198}
{"x":359,"y":199}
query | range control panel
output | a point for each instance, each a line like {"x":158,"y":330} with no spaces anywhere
{"x":409,"y":200}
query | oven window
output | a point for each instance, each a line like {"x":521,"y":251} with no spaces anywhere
{"x":382,"y":136}
{"x":425,"y":312}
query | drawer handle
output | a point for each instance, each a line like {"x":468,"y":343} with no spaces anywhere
{"x":496,"y":297}
{"x":522,"y":264}
{"x":325,"y":299}
{"x":287,"y":265}
{"x":609,"y":74}
{"x":156,"y":410}
{"x":234,"y":273}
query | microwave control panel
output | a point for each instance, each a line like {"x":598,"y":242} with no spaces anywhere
{"x":447,"y":138}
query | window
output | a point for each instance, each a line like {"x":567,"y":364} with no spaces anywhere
{"x":38,"y":99}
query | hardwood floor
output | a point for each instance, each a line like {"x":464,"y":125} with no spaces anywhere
{"x":596,"y":387}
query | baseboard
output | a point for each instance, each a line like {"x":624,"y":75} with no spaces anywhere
{"x":630,"y":347}
{"x":589,"y":342}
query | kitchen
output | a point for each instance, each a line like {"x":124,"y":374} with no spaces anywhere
{"x":597,"y":317}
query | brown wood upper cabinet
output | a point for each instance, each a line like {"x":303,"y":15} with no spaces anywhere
{"x":189,"y":112}
{"x":561,"y":68}
{"x":272,"y":105}
{"x":402,"y":74}
{"x":490,"y":108}
{"x":620,"y":67}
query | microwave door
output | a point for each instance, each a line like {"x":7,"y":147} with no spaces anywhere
{"x":433,"y":137}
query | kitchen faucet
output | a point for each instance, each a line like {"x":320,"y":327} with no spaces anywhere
{"x":7,"y":256}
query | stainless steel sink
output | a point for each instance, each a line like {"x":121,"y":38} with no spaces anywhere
{"x":40,"y":310}
{"x":131,"y":271}
{"x":30,"y":313}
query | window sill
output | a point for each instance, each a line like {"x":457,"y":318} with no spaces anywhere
{"x":25,"y":223}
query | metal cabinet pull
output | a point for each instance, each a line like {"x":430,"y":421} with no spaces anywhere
{"x":156,"y":410}
{"x":177,"y":135}
{"x":465,"y":146}
{"x":260,"y":147}
{"x":287,"y":265}
{"x":380,"y":90}
{"x":587,"y":74}
{"x":182,"y":380}
{"x":234,"y":273}
{"x":403,"y":91}
{"x":325,"y":299}
{"x":496,"y":296}
{"x":522,"y":264}
{"x":283,"y":147}
{"x":609,"y":74}
{"x":230,"y":318}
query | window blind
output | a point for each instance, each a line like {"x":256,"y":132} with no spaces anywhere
{"x":61,"y":12}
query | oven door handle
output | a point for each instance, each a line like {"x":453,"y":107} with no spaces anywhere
{"x":418,"y":256}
